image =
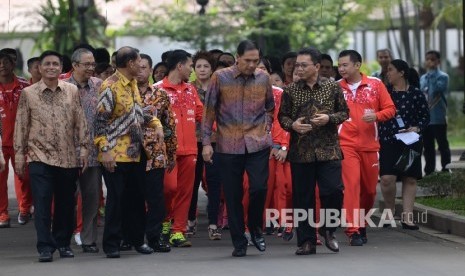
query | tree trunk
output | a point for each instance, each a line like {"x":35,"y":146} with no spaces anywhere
{"x":404,"y":33}
{"x":417,"y":34}
{"x":426,"y":19}
{"x":442,"y":39}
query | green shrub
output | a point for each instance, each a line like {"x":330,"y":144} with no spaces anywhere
{"x":455,"y":121}
{"x":456,"y":80}
{"x":457,"y":182}
{"x":437,"y":183}
{"x":445,"y":184}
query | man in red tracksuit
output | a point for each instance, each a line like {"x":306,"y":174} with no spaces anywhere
{"x":10,"y":89}
{"x":369,"y":102}
{"x":187,"y":109}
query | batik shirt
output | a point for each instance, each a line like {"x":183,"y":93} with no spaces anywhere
{"x":157,"y":104}
{"x":89,"y":99}
{"x":243,"y":109}
{"x":120,"y":119}
{"x":47,"y":123}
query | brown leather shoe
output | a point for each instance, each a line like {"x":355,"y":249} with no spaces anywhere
{"x":307,"y":248}
{"x":330,"y":240}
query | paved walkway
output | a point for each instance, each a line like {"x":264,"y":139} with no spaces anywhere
{"x":388,"y":252}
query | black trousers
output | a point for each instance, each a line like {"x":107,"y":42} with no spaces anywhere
{"x":232,"y":171}
{"x":212,"y":174}
{"x":198,"y":178}
{"x":58,"y":184}
{"x":155,"y":204}
{"x":328,"y":175}
{"x":125,"y":201}
{"x":213,"y":183}
{"x":438,"y":133}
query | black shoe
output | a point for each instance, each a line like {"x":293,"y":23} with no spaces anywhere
{"x":363,"y":234}
{"x":239,"y":252}
{"x":288,"y":234}
{"x":45,"y":257}
{"x":66,"y":252}
{"x":90,"y":248}
{"x":408,"y":226}
{"x":258,"y":240}
{"x":144,"y":249}
{"x":125,"y":246}
{"x":387,"y":225}
{"x":269,"y":230}
{"x":330,"y":240}
{"x":160,"y":245}
{"x":113,"y":255}
{"x":355,"y":240}
{"x":307,"y":248}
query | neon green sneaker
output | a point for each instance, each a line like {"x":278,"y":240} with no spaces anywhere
{"x":101,"y":211}
{"x":166,"y":231}
{"x":178,"y":240}
{"x":166,"y":228}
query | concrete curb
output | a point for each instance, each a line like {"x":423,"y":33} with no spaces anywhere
{"x":440,"y":220}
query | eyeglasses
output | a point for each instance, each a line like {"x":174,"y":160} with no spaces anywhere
{"x":303,"y":65}
{"x":88,"y":64}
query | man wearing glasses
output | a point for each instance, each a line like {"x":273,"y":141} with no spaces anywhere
{"x":311,"y":110}
{"x":89,"y":181}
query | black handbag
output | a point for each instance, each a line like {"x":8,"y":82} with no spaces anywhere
{"x":406,"y":160}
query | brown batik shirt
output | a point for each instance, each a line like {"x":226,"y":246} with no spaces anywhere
{"x":47,"y":123}
{"x":156,"y":103}
{"x":322,"y":142}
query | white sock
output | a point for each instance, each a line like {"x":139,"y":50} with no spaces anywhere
{"x":212,"y":226}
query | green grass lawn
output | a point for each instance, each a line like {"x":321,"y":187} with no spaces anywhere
{"x":456,"y":121}
{"x":457,"y":141}
{"x":456,"y":205}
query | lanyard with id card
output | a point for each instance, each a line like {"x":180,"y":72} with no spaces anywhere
{"x":400,"y":122}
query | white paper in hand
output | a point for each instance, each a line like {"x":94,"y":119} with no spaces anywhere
{"x":408,"y":138}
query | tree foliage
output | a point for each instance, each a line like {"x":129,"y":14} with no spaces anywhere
{"x":424,"y":15}
{"x":277,"y":25}
{"x":451,"y":12}
{"x":61,"y":30}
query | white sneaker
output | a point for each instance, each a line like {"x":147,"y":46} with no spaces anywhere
{"x":23,"y":218}
{"x":249,"y":239}
{"x":191,"y":228}
{"x":214,"y":233}
{"x":77,"y":238}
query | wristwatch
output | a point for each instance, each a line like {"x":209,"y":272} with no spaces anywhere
{"x":104,"y":149}
{"x":283,"y":148}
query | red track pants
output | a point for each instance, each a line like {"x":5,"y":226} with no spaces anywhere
{"x":360,"y":171}
{"x":178,"y":188}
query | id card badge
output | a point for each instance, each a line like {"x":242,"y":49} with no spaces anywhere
{"x":400,"y":122}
